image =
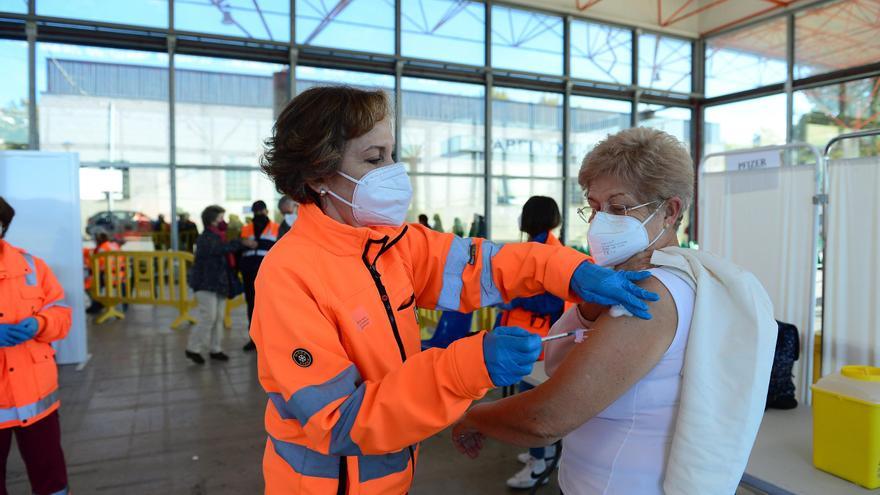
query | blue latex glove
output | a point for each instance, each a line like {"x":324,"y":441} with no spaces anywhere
{"x":14,"y":334}
{"x":509,"y":353}
{"x":607,"y":287}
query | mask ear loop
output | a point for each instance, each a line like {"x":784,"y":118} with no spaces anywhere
{"x":662,"y":231}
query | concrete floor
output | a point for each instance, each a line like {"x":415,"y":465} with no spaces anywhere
{"x":141,"y":419}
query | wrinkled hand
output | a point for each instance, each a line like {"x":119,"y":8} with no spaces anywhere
{"x":607,"y":287}
{"x":638,"y":262}
{"x":250,"y":243}
{"x":509,"y":353}
{"x":467,"y":441}
{"x":14,"y":334}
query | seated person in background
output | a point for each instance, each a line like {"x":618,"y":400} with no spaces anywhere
{"x":634,"y":416}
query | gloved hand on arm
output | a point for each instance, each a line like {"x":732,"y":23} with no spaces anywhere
{"x":509,"y":353}
{"x":607,"y":287}
{"x":14,"y":334}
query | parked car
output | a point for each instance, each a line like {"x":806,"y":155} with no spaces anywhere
{"x":119,"y":224}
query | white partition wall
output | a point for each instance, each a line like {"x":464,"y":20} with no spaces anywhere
{"x":44,"y":190}
{"x":757,"y":209}
{"x":851,"y":302}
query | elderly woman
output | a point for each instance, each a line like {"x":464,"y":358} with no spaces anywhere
{"x":634,"y":416}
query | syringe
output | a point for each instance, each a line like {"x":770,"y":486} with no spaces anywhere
{"x":578,"y":335}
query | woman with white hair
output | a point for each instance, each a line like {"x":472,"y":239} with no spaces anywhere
{"x":668,"y":405}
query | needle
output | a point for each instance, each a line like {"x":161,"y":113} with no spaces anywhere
{"x":551,"y":338}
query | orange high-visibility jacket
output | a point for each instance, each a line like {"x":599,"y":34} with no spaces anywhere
{"x":117,"y":264}
{"x":523,"y":318}
{"x":28,"y":374}
{"x":350,"y":393}
{"x":264,"y":242}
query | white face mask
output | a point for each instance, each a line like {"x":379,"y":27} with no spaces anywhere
{"x":381,"y":196}
{"x":614,"y":239}
{"x":289,"y":218}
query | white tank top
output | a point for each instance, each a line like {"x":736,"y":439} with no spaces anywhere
{"x":623,"y":449}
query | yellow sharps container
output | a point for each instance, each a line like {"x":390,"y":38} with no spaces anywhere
{"x":846,"y":425}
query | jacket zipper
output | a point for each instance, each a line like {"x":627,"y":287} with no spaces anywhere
{"x":386,"y":301}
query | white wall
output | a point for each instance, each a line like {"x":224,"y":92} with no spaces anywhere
{"x":44,"y":190}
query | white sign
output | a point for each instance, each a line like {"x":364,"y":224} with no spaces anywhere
{"x":95,"y":183}
{"x":753,"y":160}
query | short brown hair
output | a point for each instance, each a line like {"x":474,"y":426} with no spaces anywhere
{"x":655,"y":164}
{"x":308,"y":139}
{"x":7,"y":212}
{"x":210,"y":213}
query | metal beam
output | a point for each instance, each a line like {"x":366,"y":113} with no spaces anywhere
{"x":487,"y":123}
{"x":33,"y":123}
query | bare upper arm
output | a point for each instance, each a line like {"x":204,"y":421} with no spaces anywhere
{"x":616,"y":355}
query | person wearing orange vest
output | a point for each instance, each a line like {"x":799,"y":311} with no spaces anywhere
{"x":264,"y":232}
{"x":351,"y":395}
{"x":104,"y":244}
{"x":32,"y":315}
{"x":540,"y":216}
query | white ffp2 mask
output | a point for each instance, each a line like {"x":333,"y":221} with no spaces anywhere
{"x":614,"y":239}
{"x":381,"y":197}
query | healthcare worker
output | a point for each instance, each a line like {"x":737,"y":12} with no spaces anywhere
{"x":32,"y":315}
{"x":350,"y":393}
{"x":540,"y":216}
{"x":264,"y":232}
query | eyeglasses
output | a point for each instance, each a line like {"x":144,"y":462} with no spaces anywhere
{"x":587,"y":213}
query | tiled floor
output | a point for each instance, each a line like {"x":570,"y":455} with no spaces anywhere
{"x":141,"y":419}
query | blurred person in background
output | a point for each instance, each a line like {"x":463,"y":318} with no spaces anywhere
{"x":288,"y":208}
{"x":438,"y":223}
{"x":540,"y":216}
{"x":423,"y":220}
{"x":187,"y":231}
{"x":212,"y":280}
{"x":104,"y":244}
{"x":265,"y":233}
{"x":32,"y":316}
{"x":161,"y":234}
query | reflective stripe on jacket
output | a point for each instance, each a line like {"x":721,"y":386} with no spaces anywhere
{"x":28,"y":373}
{"x":536,"y":323}
{"x":350,"y":393}
{"x":265,"y":241}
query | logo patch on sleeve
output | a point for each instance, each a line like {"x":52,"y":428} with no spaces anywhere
{"x":302,"y":358}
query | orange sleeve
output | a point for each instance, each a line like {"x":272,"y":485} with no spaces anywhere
{"x":454,"y":273}
{"x":54,"y":317}
{"x":310,"y":378}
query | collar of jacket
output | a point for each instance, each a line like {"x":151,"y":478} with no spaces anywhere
{"x":337,"y":237}
{"x":12,"y":262}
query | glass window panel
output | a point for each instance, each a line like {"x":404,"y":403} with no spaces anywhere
{"x":454,"y":199}
{"x":307,"y":77}
{"x":508,"y":198}
{"x":124,"y":202}
{"x":15,"y":6}
{"x":601,"y":52}
{"x":361,"y":25}
{"x":593,"y":119}
{"x":673,"y":120}
{"x":734,"y":126}
{"x":110,"y":106}
{"x":822,"y":113}
{"x":224,"y":109}
{"x":526,"y":133}
{"x":258,"y":19}
{"x":746,"y":58}
{"x":526,"y":40}
{"x":234,"y":190}
{"x":447,"y":30}
{"x":664,"y":63}
{"x":153,"y":13}
{"x":836,"y":36}
{"x":14,"y":95}
{"x":443,"y":128}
